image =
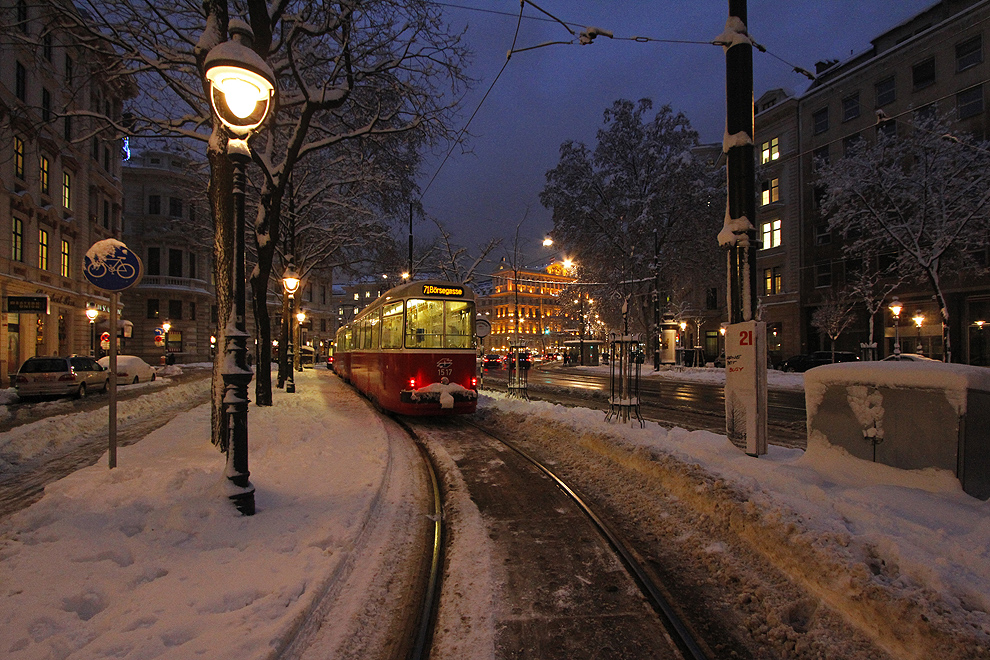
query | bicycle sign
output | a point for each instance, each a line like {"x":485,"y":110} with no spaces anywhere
{"x":110,"y":266}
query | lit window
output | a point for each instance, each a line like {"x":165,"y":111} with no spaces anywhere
{"x":65,"y":258}
{"x":17,"y":240}
{"x":18,"y":157}
{"x":771,"y":191}
{"x":67,"y":190}
{"x":770,"y":151}
{"x":43,"y":168}
{"x":42,"y":249}
{"x":771,"y":234}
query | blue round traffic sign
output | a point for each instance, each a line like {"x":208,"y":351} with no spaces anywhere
{"x":111,"y":266}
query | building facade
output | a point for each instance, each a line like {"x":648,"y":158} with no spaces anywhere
{"x":530,"y":306}
{"x":167,"y":222}
{"x":60,"y":184}
{"x":933,"y":63}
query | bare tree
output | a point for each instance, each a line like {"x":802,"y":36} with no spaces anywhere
{"x":925,"y":197}
{"x":382,"y":72}
{"x":833,"y":316}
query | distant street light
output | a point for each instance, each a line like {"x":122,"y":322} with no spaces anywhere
{"x":166,"y":326}
{"x":290,"y":281}
{"x":547,"y":242}
{"x":919,"y":319}
{"x":91,"y":314}
{"x":242,"y":89}
{"x":301,"y":317}
{"x":895,"y":310}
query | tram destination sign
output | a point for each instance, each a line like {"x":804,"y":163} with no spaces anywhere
{"x":28,"y":305}
{"x":434,"y":290}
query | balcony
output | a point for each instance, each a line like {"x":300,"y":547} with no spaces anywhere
{"x":166,"y":282}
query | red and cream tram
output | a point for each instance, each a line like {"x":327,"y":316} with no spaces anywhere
{"x":412,"y":350}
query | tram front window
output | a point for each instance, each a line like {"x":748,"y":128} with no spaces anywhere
{"x":460,"y":315}
{"x":439,"y":323}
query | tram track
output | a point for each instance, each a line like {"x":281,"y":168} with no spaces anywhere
{"x":630,"y":613}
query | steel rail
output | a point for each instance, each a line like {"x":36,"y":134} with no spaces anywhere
{"x":420,"y":649}
{"x":678,"y":631}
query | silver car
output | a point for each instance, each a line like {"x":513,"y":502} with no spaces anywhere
{"x":60,"y":376}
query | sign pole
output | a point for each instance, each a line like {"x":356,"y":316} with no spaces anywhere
{"x":113,"y":379}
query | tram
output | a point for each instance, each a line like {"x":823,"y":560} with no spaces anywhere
{"x":412,"y":350}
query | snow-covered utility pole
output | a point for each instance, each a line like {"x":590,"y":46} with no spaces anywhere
{"x":746,"y":348}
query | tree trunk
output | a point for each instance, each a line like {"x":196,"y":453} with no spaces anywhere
{"x":222,"y":205}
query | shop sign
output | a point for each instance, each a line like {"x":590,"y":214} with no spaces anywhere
{"x":28,"y":305}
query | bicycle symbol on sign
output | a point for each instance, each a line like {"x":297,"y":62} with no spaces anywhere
{"x":112,"y":266}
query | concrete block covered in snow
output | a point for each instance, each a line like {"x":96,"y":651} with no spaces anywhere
{"x":909,"y":415}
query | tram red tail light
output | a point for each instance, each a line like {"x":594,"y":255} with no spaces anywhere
{"x":474,"y":383}
{"x":412,"y":383}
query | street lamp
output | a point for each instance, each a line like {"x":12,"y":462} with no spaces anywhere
{"x":242,"y":89}
{"x":895,"y":310}
{"x":290,"y":281}
{"x":301,"y":317}
{"x":919,"y":319}
{"x":91,"y":314}
{"x":166,"y":326}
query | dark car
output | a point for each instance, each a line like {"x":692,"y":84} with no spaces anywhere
{"x":525,"y":360}
{"x":60,"y":376}
{"x":801,"y":363}
{"x":908,"y":357}
{"x":492,"y":362}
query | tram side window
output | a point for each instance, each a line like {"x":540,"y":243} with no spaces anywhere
{"x":424,"y":323}
{"x":459,"y":317}
{"x":375,"y":329}
{"x":392,"y":326}
{"x":365,"y":335}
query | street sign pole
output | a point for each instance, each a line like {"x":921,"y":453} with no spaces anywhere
{"x":114,"y":299}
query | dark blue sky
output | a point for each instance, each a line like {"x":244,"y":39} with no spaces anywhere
{"x":553,"y":94}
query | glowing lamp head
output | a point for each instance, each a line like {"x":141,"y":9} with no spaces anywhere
{"x":896,"y":307}
{"x":291,"y":280}
{"x":92,"y":313}
{"x":166,"y":326}
{"x":918,"y":319}
{"x":547,"y":242}
{"x":301,"y":317}
{"x":242,"y":85}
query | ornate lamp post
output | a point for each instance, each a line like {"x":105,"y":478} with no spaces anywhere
{"x":91,"y":314}
{"x":919,"y":319}
{"x":301,"y":317}
{"x":242,"y":89}
{"x":895,"y":310}
{"x":290,"y":281}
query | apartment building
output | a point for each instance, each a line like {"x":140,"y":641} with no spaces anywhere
{"x":60,"y":185}
{"x":934,"y":62}
{"x":167,"y":222}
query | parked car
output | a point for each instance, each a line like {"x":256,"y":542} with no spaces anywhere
{"x":492,"y":362}
{"x":131,"y":369}
{"x":908,"y":357}
{"x":60,"y":376}
{"x":801,"y":363}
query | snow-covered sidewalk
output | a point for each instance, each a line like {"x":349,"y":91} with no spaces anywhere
{"x":149,"y":560}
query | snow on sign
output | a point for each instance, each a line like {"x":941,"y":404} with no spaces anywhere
{"x":111,"y":266}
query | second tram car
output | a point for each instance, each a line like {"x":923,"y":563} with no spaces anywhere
{"x":412,"y":350}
